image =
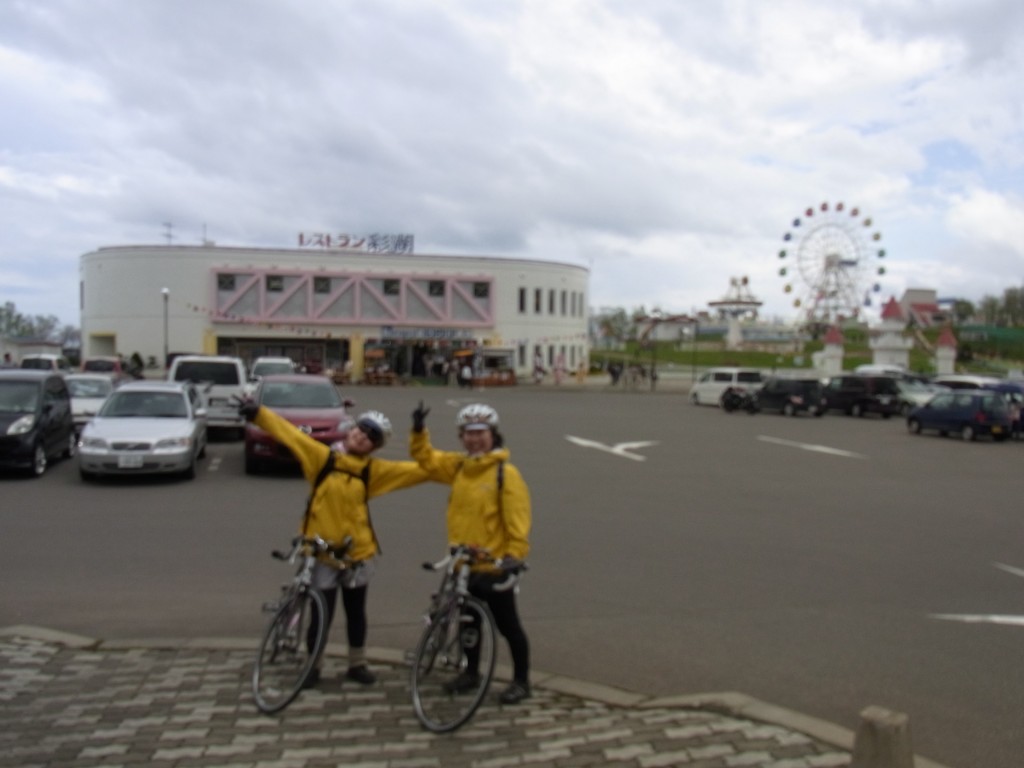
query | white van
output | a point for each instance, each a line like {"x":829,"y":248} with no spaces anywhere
{"x":708,"y":389}
{"x":966,"y":381}
{"x":222,"y":381}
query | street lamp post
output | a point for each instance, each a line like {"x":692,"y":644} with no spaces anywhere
{"x":166,"y":294}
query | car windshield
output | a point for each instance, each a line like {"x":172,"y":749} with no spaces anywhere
{"x":265,"y":369}
{"x":18,"y":396}
{"x":100,"y":366}
{"x":147,"y":405}
{"x":291,"y":394}
{"x":89,"y":387}
{"x":37,"y":363}
{"x":202,"y":370}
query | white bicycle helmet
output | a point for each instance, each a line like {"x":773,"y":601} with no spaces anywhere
{"x":477,"y":416}
{"x":376,"y":426}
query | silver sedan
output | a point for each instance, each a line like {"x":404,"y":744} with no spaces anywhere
{"x":145,"y":427}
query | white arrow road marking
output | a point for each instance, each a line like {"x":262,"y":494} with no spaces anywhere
{"x":990,"y":618}
{"x":619,"y":449}
{"x":811,"y":447}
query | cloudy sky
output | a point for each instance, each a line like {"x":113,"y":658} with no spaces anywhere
{"x":666,"y":144}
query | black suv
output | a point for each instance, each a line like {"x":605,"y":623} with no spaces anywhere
{"x":35,"y":420}
{"x":791,"y":396}
{"x":859,"y":395}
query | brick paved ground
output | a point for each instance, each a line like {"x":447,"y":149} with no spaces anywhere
{"x":107,"y":705}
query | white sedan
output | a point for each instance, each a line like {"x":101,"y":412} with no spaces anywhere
{"x":145,"y":427}
{"x":88,"y":393}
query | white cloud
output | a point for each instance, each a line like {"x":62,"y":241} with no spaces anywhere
{"x":667,"y":145}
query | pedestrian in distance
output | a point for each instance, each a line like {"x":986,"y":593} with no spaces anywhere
{"x":343,"y":478}
{"x":488,"y":507}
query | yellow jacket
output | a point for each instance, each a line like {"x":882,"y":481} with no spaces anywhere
{"x":339,"y":505}
{"x":476,"y":514}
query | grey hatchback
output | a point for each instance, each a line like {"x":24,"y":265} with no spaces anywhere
{"x":35,"y":420}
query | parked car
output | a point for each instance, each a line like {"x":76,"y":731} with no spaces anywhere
{"x":266,"y":365}
{"x":310,"y":401}
{"x":914,"y":393}
{"x":146,"y":427}
{"x":88,"y":393}
{"x":45,"y":362}
{"x":710,"y":387}
{"x":859,"y":395}
{"x":966,"y":381}
{"x":791,"y":396}
{"x":111,"y":365}
{"x":35,"y":419}
{"x":967,"y":413}
{"x":221,"y":379}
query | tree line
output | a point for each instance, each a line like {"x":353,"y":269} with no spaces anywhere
{"x":13,"y":325}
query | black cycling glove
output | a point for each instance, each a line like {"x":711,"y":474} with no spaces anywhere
{"x":419,"y":418}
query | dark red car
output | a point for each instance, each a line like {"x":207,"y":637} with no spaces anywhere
{"x":310,"y":402}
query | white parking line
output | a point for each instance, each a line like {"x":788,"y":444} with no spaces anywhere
{"x":811,"y":447}
{"x":214,"y":464}
{"x":987,"y":618}
{"x":619,"y":449}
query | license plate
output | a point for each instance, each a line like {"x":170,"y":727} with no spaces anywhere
{"x":129,"y":461}
{"x":997,"y":430}
{"x":884,"y":399}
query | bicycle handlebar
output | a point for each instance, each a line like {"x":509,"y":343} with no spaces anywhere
{"x":481,"y":555}
{"x":318,"y":545}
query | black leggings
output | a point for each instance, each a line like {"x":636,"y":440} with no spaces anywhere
{"x":506,"y":618}
{"x":354,"y":602}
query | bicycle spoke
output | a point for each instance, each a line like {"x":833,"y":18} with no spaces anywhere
{"x":453,"y":666}
{"x":290,"y":648}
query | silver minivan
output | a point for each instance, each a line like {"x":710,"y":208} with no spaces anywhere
{"x":708,"y":389}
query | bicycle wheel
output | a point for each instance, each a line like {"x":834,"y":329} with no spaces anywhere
{"x":458,"y":643}
{"x":289,"y":650}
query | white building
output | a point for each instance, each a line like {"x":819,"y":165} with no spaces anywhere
{"x":325,"y":307}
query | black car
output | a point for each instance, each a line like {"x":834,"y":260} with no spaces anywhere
{"x":859,"y":395}
{"x":791,"y":396}
{"x":35,"y":420}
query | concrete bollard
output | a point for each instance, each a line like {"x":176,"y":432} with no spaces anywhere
{"x":882,"y":740}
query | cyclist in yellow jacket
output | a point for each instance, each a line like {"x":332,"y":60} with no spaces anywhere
{"x":489,"y":507}
{"x":338,"y":508}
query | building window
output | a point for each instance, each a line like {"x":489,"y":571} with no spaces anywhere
{"x":537,"y":294}
{"x":435,"y":288}
{"x":551,"y":301}
{"x":275,"y":283}
{"x":481,"y":290}
{"x":225,"y":282}
{"x":392,"y":287}
{"x":562,"y":299}
{"x":522,"y":301}
{"x":321,"y":285}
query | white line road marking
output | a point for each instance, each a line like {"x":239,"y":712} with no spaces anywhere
{"x":619,"y":449}
{"x":968,"y":618}
{"x":987,"y":618}
{"x":214,"y":464}
{"x":811,"y":447}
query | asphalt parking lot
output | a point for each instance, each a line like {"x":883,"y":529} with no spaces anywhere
{"x":822,"y":565}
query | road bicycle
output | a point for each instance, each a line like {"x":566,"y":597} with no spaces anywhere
{"x":295,"y":637}
{"x":453,"y":664}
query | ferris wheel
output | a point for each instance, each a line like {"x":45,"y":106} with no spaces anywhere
{"x":832,"y":263}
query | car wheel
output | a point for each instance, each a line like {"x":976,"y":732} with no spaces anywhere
{"x":190,"y":473}
{"x":967,"y":433}
{"x":788,"y":410}
{"x":72,"y":447}
{"x":202,"y":452}
{"x":87,"y":477}
{"x":886,"y":415}
{"x":914,"y":426}
{"x":38,"y":460}
{"x":252,"y":466}
{"x":694,"y":400}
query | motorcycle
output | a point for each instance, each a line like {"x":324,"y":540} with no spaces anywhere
{"x":736,"y":399}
